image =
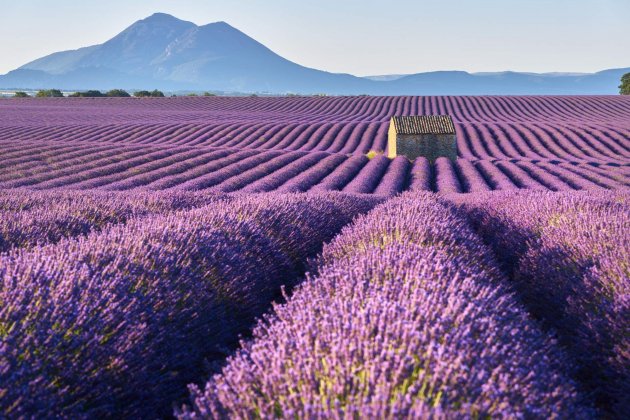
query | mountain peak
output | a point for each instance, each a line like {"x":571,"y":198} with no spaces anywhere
{"x":162,"y":18}
{"x":220,"y":25}
{"x":157,"y":24}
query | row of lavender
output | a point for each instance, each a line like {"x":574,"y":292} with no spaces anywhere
{"x":117,"y":322}
{"x":568,"y":255}
{"x":596,"y":142}
{"x":114,"y":168}
{"x":579,"y":110}
{"x":430,"y":297}
{"x":31,"y":218}
{"x":407,"y":316}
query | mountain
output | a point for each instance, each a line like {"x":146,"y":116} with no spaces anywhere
{"x":164,"y":52}
{"x":170,"y":54}
{"x":508,"y":83}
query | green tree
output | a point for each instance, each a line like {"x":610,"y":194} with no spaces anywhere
{"x":145,"y":93}
{"x":49,"y":93}
{"x":142,"y":94}
{"x":208,"y":94}
{"x":119,"y":93}
{"x":192,"y":94}
{"x":87,"y":94}
{"x":93,"y":94}
{"x":21,"y":94}
{"x":624,"y":87}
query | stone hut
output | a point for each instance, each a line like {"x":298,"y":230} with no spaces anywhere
{"x":431,"y":136}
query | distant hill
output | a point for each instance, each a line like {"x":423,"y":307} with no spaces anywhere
{"x":167,"y":53}
{"x":507,"y":83}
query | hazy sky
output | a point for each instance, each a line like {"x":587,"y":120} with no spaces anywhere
{"x":362,"y":37}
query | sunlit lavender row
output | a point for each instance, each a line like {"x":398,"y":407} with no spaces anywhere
{"x":155,"y":168}
{"x":407,"y":316}
{"x":118,"y":322}
{"x":303,"y":144}
{"x":569,"y":258}
{"x":98,"y":304}
{"x":30,"y":218}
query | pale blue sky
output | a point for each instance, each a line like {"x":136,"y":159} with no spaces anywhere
{"x":362,"y":37}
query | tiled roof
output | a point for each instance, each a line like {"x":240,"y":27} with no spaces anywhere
{"x":424,"y":124}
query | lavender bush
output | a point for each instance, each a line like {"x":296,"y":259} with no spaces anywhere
{"x":394,"y":181}
{"x":32,"y":218}
{"x":117,"y":323}
{"x":369,"y":176}
{"x":408,"y":317}
{"x":445,"y":176}
{"x":569,"y":258}
{"x":420,"y":179}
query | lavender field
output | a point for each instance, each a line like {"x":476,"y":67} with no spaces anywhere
{"x":294,"y":144}
{"x":262,"y":257}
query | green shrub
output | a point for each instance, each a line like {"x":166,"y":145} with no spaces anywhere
{"x":142,"y":94}
{"x":49,"y":93}
{"x":624,"y":87}
{"x":87,"y":94}
{"x":119,"y":93}
{"x":372,"y":154}
{"x":145,"y":94}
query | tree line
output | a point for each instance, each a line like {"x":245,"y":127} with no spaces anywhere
{"x":624,"y":89}
{"x":120,"y":93}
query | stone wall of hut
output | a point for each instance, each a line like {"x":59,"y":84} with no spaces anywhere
{"x":431,"y":146}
